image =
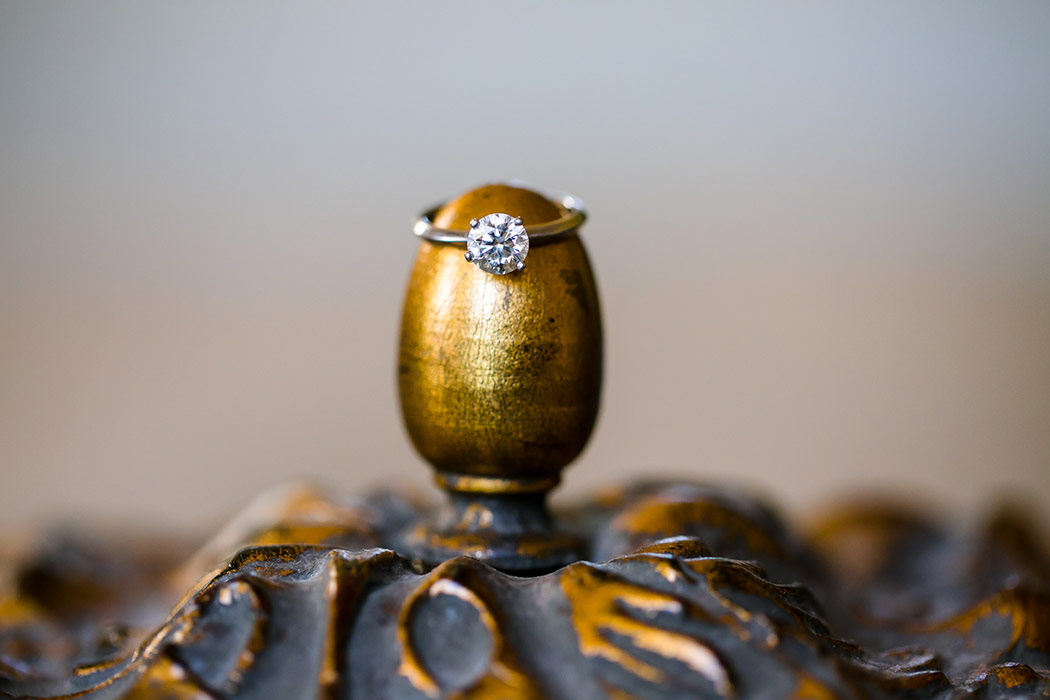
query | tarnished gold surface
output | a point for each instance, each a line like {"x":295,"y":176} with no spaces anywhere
{"x":726,"y":602}
{"x":599,"y":603}
{"x":498,"y":677}
{"x":500,"y":376}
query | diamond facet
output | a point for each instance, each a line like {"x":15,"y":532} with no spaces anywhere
{"x":497,"y":243}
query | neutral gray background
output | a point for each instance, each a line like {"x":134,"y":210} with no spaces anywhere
{"x":822,"y":233}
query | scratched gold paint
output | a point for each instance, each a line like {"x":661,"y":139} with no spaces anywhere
{"x":634,"y":623}
{"x":503,"y":680}
{"x":599,"y":605}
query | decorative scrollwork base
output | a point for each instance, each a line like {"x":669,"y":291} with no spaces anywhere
{"x":688,"y":592}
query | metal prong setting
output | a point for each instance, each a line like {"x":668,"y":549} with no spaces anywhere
{"x":497,"y":243}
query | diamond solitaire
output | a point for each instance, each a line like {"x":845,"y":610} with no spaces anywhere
{"x":497,"y":243}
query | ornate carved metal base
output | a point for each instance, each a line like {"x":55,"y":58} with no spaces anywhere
{"x":698,"y":592}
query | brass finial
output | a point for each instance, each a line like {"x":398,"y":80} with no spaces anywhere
{"x":499,"y":379}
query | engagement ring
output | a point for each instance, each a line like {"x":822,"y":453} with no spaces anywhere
{"x":498,"y":243}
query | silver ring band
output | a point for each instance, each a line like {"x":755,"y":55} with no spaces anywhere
{"x":538,"y":233}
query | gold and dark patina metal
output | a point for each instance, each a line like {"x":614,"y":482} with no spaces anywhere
{"x":688,"y":592}
{"x":674,"y":591}
{"x":500,"y":378}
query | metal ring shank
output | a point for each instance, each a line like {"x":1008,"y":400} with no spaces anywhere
{"x":538,"y":233}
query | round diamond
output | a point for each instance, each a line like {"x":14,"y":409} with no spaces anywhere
{"x":497,"y":243}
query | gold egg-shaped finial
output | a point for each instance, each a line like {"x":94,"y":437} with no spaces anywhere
{"x":500,"y":375}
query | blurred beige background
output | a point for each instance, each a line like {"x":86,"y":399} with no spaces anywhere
{"x":822,"y":233}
